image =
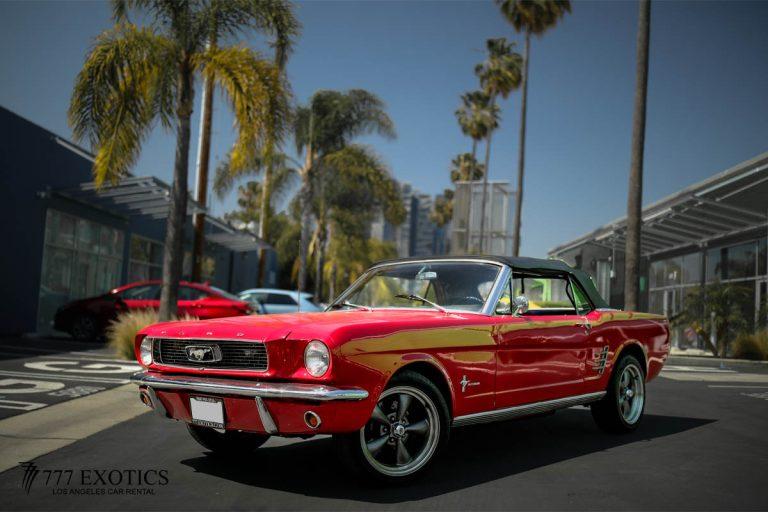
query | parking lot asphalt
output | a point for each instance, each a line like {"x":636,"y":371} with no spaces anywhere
{"x":36,"y":373}
{"x":702,"y":445}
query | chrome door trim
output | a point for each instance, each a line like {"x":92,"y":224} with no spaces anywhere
{"x":518,"y":411}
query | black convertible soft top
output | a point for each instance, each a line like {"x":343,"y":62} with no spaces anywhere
{"x":532,"y":265}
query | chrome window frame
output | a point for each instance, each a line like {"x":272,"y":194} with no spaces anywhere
{"x":488,"y":306}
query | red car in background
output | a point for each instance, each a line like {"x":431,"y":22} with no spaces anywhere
{"x":87,"y":318}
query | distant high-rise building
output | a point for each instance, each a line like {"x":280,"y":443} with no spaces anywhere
{"x":417,"y":235}
{"x":498,"y":218}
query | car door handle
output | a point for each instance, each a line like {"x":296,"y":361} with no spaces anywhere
{"x":584,"y":325}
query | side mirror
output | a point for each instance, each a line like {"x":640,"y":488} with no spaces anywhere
{"x":520,"y":305}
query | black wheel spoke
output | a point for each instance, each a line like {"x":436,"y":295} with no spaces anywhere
{"x":405,"y":402}
{"x":420,"y":427}
{"x":375,"y":446}
{"x":378,"y":415}
{"x":403,"y":457}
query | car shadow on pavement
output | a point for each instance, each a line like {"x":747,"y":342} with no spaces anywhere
{"x":473,"y":456}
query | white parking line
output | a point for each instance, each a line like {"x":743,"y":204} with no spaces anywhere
{"x":735,"y":386}
{"x":68,"y":377}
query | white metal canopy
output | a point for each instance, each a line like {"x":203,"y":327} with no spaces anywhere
{"x":150,"y":196}
{"x":729,"y":203}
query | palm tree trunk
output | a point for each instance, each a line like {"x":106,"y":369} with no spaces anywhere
{"x":469,"y":200}
{"x":201,"y":188}
{"x":635,"y":196}
{"x":320,"y":260}
{"x":332,"y":284}
{"x":485,"y":182}
{"x":306,"y":214}
{"x":521,"y":149}
{"x":173,"y":253}
{"x":264,"y":218}
{"x":201,"y":185}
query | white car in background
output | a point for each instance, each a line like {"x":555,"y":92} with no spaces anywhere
{"x":271,"y":301}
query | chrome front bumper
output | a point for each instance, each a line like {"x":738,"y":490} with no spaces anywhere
{"x":151,"y":381}
{"x":260,"y":389}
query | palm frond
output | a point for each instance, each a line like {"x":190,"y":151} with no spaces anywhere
{"x":534,"y":16}
{"x":128,"y":80}
{"x":501,"y":72}
{"x":333,"y":118}
{"x":273,"y":18}
{"x":258,"y":96}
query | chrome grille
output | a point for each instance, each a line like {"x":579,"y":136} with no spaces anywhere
{"x":235,"y":355}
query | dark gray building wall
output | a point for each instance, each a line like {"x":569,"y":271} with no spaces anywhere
{"x":33,"y":166}
{"x":30,"y":160}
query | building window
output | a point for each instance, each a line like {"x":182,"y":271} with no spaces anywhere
{"x":741,"y":261}
{"x":714,"y":265}
{"x":146,"y":260}
{"x":80,"y":259}
{"x":691,"y":266}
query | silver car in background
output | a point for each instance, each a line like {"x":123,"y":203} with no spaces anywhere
{"x":273,"y":301}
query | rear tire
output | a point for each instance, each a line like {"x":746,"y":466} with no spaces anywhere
{"x":84,"y":328}
{"x":229,"y":443}
{"x":407,"y":429}
{"x":621,"y":410}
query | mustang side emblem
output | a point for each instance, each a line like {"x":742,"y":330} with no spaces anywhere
{"x":466,"y":382}
{"x":203,"y":353}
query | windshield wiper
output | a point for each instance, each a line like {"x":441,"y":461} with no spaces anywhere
{"x":419,"y":298}
{"x":350,"y":305}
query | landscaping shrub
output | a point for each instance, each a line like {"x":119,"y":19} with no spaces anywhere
{"x":751,"y":346}
{"x":121,"y":333}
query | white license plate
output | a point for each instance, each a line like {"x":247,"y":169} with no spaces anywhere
{"x":206,"y":411}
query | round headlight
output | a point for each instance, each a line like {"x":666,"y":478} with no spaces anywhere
{"x":316,"y":358}
{"x":145,"y":351}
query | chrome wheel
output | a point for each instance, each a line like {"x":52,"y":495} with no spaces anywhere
{"x":631,"y":393}
{"x":403,"y":432}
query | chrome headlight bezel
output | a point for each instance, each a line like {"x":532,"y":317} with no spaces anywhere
{"x":317,"y":358}
{"x":145,"y":351}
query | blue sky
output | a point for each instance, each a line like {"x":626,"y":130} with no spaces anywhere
{"x":707,"y":104}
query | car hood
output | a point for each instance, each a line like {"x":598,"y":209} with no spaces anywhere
{"x":333,"y":326}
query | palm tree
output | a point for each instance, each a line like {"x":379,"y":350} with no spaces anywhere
{"x":480,"y":116}
{"x":465,"y":167}
{"x":251,"y":196}
{"x":354,"y":185}
{"x":470,"y":118}
{"x":330,"y":121}
{"x":499,"y":75}
{"x":529,"y":17}
{"x":635,"y":199}
{"x":275,"y":19}
{"x":135,"y":76}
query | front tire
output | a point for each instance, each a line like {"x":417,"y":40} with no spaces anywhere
{"x":621,"y":410}
{"x":408,"y":428}
{"x":228,"y":443}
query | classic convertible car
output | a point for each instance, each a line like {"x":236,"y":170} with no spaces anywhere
{"x":413,"y":349}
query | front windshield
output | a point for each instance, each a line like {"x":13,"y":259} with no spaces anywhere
{"x":450,"y":285}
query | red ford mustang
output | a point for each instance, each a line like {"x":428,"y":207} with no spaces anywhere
{"x":87,"y":318}
{"x":412,"y":349}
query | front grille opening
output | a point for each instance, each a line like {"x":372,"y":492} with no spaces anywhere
{"x":235,"y":355}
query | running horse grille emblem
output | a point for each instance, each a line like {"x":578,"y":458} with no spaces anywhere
{"x":203,"y":353}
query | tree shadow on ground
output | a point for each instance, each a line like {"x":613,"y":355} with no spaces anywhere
{"x":473,"y":456}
